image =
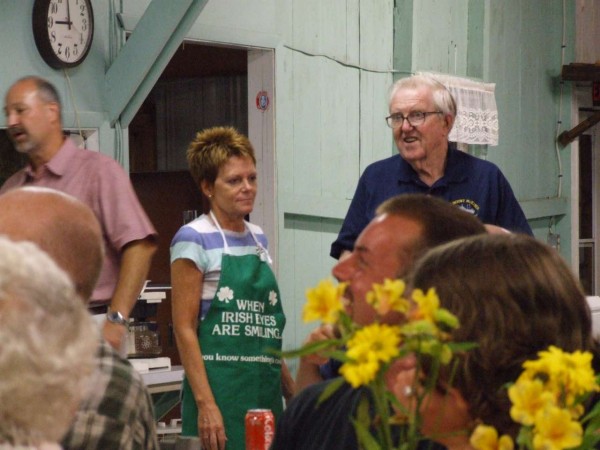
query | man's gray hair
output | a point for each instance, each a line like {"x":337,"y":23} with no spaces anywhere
{"x":442,"y":98}
{"x":47,"y":346}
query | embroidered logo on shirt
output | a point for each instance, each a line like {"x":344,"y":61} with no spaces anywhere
{"x":225,"y":294}
{"x":273,"y":298}
{"x":467,"y":205}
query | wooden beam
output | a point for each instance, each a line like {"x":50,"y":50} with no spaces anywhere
{"x":581,"y":72}
{"x":146,"y":53}
{"x":566,"y":137}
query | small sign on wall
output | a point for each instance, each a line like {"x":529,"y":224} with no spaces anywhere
{"x":262,"y":101}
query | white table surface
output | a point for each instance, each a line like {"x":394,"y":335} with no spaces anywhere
{"x":164,"y":381}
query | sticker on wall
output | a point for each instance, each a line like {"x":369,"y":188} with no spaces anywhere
{"x":262,"y":100}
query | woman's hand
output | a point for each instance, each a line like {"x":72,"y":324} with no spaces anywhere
{"x":211,"y":429}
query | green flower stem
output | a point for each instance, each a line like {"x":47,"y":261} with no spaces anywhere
{"x":382,"y":408}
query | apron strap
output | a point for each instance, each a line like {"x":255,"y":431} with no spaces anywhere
{"x":260,"y":250}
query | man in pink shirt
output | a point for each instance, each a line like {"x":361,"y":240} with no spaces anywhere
{"x":33,"y":116}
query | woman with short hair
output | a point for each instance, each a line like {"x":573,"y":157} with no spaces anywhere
{"x":227,"y":311}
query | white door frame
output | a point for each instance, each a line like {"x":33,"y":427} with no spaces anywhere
{"x":582,"y":99}
{"x":261,"y":131}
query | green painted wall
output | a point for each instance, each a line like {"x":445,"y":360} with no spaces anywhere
{"x":81,"y":91}
{"x":334,"y":62}
{"x":517,"y":45}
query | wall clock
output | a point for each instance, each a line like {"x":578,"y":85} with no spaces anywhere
{"x":63,"y":31}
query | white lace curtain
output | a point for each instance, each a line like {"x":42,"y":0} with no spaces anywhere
{"x":477,"y":114}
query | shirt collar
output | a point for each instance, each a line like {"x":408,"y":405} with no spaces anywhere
{"x":60,"y":162}
{"x":454,"y":172}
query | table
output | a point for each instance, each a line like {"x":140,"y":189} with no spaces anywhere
{"x":164,"y":386}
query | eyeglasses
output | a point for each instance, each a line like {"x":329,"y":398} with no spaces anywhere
{"x":414,"y":118}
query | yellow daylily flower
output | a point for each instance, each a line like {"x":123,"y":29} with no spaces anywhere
{"x":485,"y":437}
{"x":568,"y":375}
{"x":555,"y":430}
{"x":528,"y":399}
{"x":324,"y":302}
{"x":387,"y":297}
{"x":426,"y":304}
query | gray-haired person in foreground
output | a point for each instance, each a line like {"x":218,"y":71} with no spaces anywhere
{"x":117,"y":413}
{"x":47,"y":352}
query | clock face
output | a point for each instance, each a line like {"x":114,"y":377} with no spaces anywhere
{"x":63,"y":30}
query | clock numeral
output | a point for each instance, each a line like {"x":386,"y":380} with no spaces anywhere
{"x":84,"y":24}
{"x":68,"y":52}
{"x":50,"y":22}
{"x":53,"y":8}
{"x":52,"y":36}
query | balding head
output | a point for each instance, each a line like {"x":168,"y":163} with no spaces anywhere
{"x":60,"y":225}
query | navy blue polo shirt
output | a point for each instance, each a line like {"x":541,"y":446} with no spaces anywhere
{"x":473,"y":184}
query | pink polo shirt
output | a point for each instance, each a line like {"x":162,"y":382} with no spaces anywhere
{"x":102,"y":184}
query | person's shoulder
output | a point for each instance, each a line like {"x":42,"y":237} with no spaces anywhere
{"x":14,"y":181}
{"x":310,"y":395}
{"x":394,"y":159}
{"x":255,"y":228}
{"x":201,"y":231}
{"x":473,"y":162}
{"x":384,"y":167}
{"x":92,"y":158}
{"x":198,"y":227}
{"x":122,"y":374}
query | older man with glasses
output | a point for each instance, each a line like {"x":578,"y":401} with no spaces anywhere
{"x":422,"y":112}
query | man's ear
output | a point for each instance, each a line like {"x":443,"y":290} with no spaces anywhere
{"x":54,"y":111}
{"x":458,"y":399}
{"x":461,"y":416}
{"x":449,"y":120}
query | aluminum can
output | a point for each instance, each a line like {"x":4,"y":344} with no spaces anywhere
{"x":260,"y":429}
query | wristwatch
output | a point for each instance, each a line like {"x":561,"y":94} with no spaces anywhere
{"x":116,"y":317}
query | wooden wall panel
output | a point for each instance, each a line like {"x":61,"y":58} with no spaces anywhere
{"x":440,"y":36}
{"x":587,"y":23}
{"x":332,"y":83}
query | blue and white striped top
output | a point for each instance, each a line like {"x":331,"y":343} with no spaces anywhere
{"x":201,"y":242}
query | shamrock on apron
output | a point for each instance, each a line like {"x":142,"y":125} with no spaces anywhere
{"x":238,"y":335}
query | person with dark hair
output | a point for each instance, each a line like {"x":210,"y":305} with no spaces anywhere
{"x":514,"y":297}
{"x":227,"y":310}
{"x":422,"y":113}
{"x":404,"y":228}
{"x":33,"y":116}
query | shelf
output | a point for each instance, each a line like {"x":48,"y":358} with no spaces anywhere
{"x":580,"y":72}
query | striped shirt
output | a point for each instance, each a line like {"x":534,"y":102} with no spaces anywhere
{"x":201,"y":242}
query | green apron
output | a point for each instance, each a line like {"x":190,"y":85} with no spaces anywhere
{"x":244,"y":323}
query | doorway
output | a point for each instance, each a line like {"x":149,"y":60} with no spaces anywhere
{"x":589,"y":210}
{"x":202,"y":86}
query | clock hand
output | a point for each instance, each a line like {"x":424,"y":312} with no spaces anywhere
{"x":69,"y":13}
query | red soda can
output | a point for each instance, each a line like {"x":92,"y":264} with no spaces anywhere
{"x":260,"y":429}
